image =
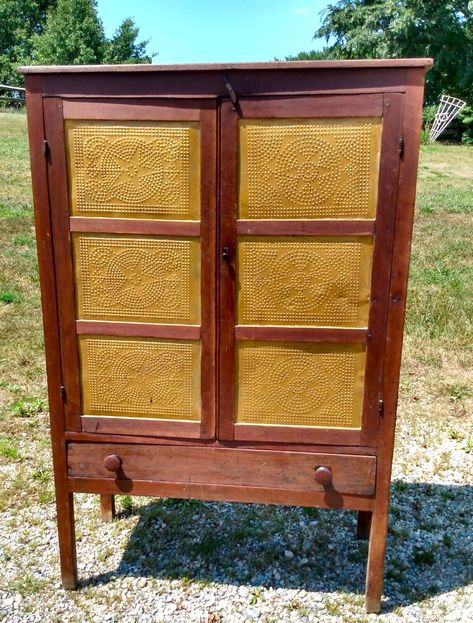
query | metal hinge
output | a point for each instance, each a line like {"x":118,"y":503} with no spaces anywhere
{"x":63,"y":393}
{"x":401,"y":147}
{"x":45,"y":147}
{"x":381,"y":407}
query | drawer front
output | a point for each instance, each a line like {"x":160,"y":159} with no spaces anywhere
{"x":224,"y":466}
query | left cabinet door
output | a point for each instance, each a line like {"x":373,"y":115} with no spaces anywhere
{"x":132,"y":188}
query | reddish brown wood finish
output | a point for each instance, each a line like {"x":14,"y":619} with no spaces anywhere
{"x":135,"y":329}
{"x":64,"y":498}
{"x":107,"y":507}
{"x":308,"y":107}
{"x":227,"y":267}
{"x":270,"y":80}
{"x":227,"y":493}
{"x":101,"y":437}
{"x":169,"y":110}
{"x":384,"y":228}
{"x":395,"y":324}
{"x":208,"y":174}
{"x":218,"y":67}
{"x":144,"y":426}
{"x":389,"y":107}
{"x":224,"y":466}
{"x":294,"y":434}
{"x":361,"y":227}
{"x":190,"y":92}
{"x":301,"y":334}
{"x":59,"y":206}
{"x":205,"y":112}
{"x":148,"y":227}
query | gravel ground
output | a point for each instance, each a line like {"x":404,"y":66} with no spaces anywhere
{"x":189,"y":561}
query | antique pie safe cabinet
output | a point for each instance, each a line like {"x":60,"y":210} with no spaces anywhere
{"x":223,"y":254}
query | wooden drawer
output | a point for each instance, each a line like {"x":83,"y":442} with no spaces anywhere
{"x":224,"y":466}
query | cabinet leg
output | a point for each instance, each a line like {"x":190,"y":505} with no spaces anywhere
{"x":375,"y":567}
{"x":363,"y":525}
{"x":107,"y":507}
{"x":67,"y":538}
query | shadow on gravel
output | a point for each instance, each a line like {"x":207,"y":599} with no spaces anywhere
{"x":430,"y":547}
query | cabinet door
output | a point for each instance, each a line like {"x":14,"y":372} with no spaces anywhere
{"x":132,"y":195}
{"x":308,"y":196}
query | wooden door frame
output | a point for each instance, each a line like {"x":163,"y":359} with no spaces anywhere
{"x":56,"y":111}
{"x":390,"y":107}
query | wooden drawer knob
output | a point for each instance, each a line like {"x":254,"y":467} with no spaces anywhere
{"x":112,"y":462}
{"x":323,"y":475}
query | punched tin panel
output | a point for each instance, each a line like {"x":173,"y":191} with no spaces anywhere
{"x":138,"y":170}
{"x":137,"y":278}
{"x":304,"y":169}
{"x":308,"y":168}
{"x":302,"y":384}
{"x":139,"y":377}
{"x":304,"y":280}
{"x":134,"y":169}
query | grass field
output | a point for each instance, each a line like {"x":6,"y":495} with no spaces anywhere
{"x":437,"y":376}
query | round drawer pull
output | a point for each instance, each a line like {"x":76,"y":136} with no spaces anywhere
{"x":112,"y":462}
{"x":323,"y":475}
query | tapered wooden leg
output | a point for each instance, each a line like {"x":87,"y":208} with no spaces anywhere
{"x":67,"y":538}
{"x":376,"y":553}
{"x":363,"y":525}
{"x":107,"y":507}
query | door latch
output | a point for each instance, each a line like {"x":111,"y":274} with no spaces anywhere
{"x":401,"y":147}
{"x":233,"y":96}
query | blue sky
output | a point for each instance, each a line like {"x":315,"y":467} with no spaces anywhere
{"x":201,"y":31}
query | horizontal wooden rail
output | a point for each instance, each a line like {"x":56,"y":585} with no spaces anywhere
{"x":137,"y":329}
{"x":362,"y":227}
{"x":98,"y":225}
{"x":302,"y":334}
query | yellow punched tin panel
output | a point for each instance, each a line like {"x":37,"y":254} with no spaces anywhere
{"x":304,"y":280}
{"x":136,"y":377}
{"x":134,"y":169}
{"x":303,"y":384}
{"x":137,"y":278}
{"x":308,"y":168}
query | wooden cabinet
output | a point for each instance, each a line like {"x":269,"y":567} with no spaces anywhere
{"x":223,"y":257}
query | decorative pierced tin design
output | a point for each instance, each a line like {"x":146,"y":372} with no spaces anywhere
{"x":135,"y":278}
{"x":309,"y":168}
{"x":304,"y":281}
{"x":140,"y":378}
{"x":150,"y":170}
{"x":300,"y":384}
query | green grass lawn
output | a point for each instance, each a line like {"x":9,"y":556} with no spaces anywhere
{"x":438,"y":344}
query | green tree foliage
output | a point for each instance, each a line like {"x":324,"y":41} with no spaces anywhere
{"x":313,"y":55}
{"x":61,"y":32}
{"x":73,"y":35}
{"x":442,"y":29}
{"x":19,"y":21}
{"x":124,"y":46}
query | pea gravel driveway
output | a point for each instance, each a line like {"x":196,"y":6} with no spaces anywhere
{"x":197,"y":562}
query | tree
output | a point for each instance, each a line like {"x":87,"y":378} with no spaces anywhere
{"x":123,"y":47}
{"x":313,"y":55}
{"x":19,"y":20}
{"x":442,"y":29}
{"x":73,"y":35}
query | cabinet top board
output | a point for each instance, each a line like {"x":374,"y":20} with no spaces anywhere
{"x":343,"y":64}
